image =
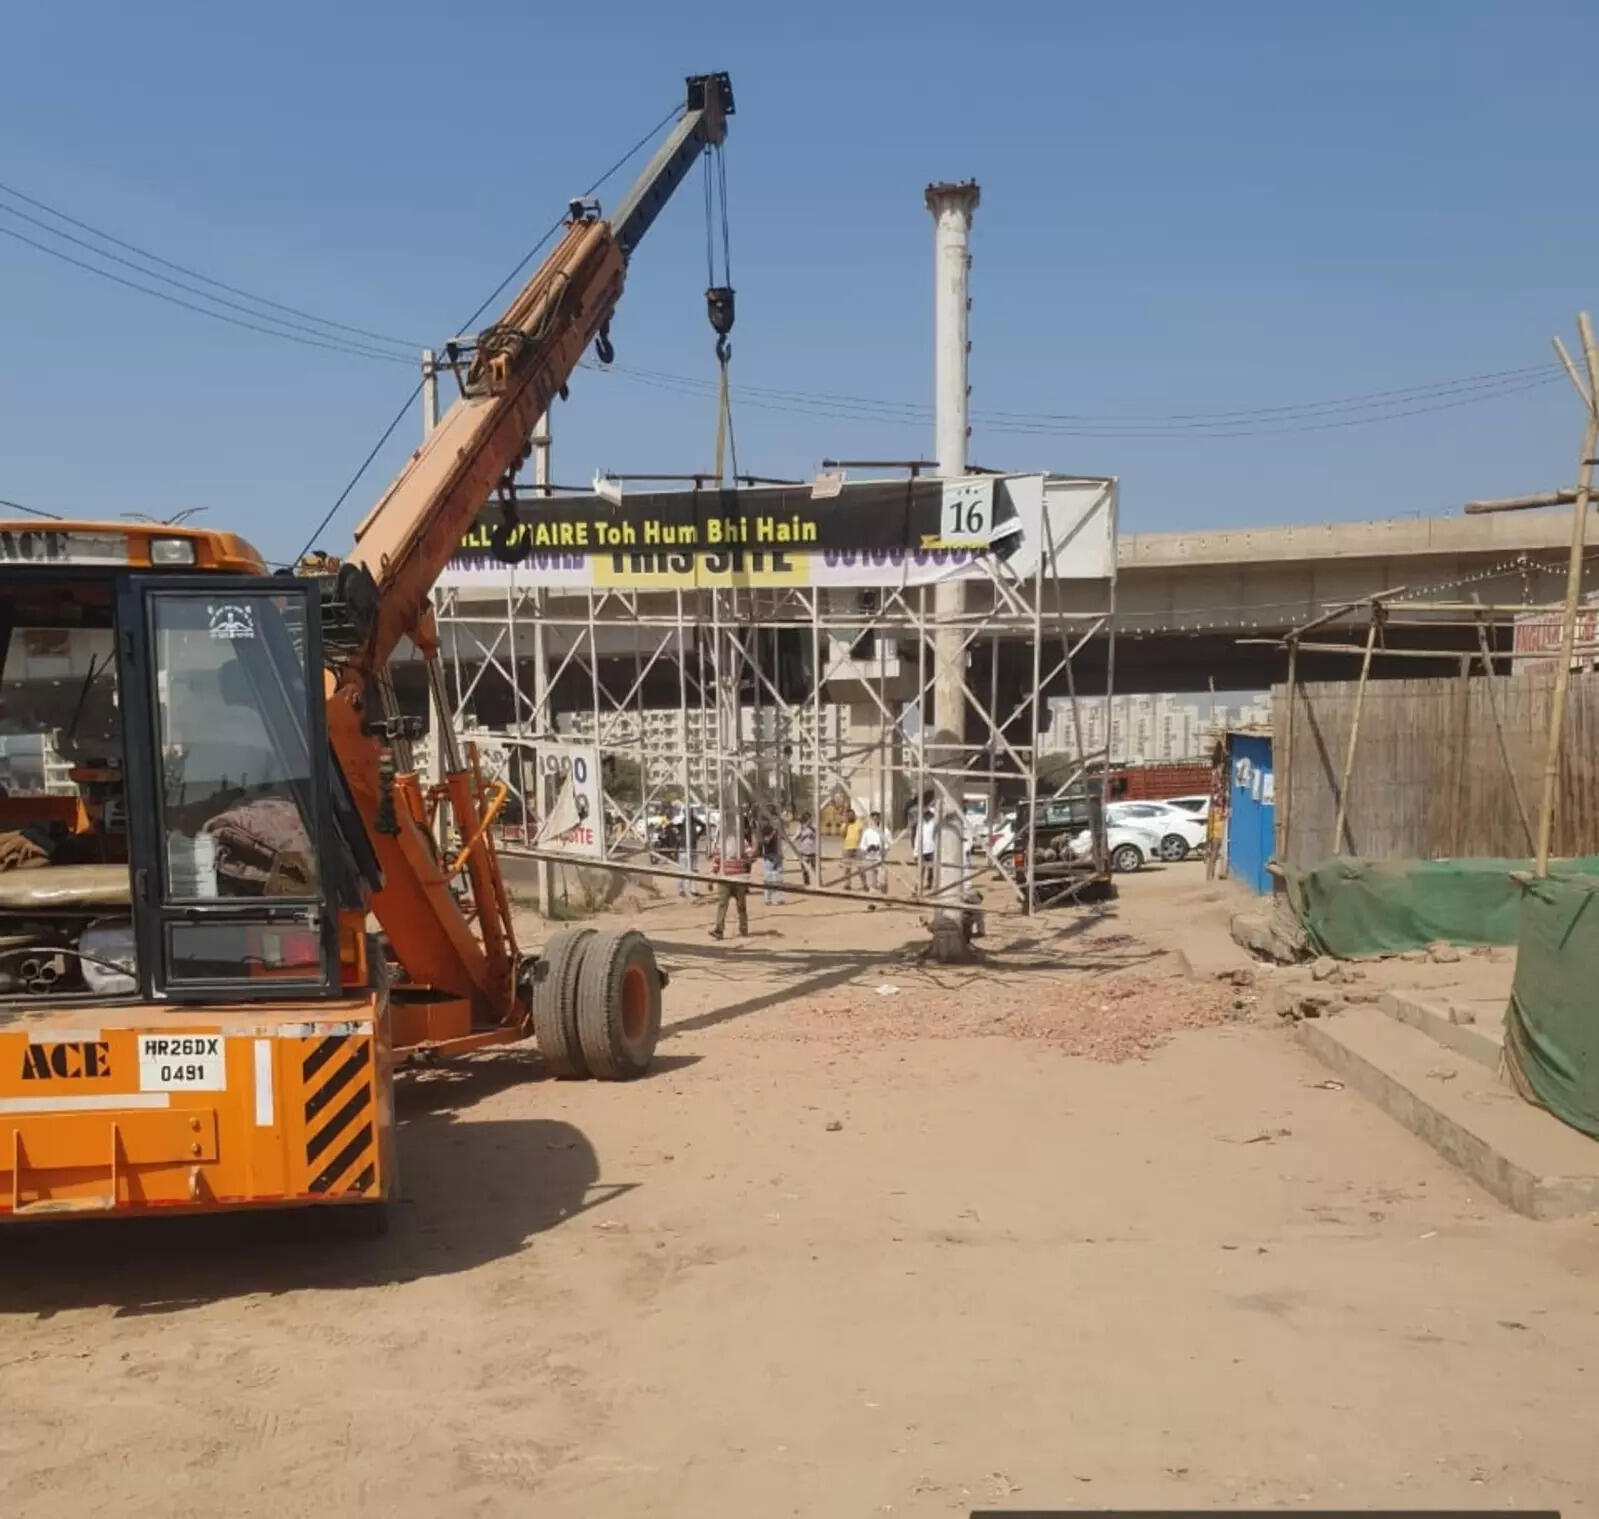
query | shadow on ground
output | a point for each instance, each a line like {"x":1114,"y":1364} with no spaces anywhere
{"x":470,"y":1193}
{"x":1047,"y":949}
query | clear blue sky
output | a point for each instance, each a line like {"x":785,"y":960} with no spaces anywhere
{"x":1186,"y":208}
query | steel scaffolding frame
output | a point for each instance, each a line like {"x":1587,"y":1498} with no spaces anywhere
{"x":747,"y":753}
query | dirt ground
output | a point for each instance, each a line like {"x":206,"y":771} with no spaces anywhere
{"x":1070,"y":1229}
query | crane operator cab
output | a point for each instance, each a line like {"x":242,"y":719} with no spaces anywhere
{"x":186,"y":1011}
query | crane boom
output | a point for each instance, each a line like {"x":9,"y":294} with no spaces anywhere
{"x":523,"y":361}
{"x":520,"y":365}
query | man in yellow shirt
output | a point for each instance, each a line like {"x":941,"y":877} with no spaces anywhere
{"x":852,"y":848}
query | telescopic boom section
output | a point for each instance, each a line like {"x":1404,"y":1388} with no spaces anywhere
{"x":521,"y":364}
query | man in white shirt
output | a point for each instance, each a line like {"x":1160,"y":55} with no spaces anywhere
{"x":927,"y":848}
{"x":874,"y":873}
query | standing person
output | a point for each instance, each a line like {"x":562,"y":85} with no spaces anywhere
{"x":734,"y":886}
{"x":684,"y":839}
{"x":805,"y":843}
{"x":853,"y":829}
{"x":772,"y":861}
{"x":927,"y":847}
{"x":874,"y":874}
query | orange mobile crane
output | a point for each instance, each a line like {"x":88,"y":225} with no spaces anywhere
{"x":206,"y":788}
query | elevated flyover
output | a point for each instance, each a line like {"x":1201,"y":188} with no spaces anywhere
{"x":1184,"y":599}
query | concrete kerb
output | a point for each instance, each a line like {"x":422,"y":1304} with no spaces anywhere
{"x":1443,"y":1022}
{"x":1520,"y":1154}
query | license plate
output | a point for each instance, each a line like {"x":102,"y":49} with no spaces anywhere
{"x":182,"y":1063}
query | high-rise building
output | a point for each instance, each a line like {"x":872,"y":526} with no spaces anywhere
{"x":1144,"y":729}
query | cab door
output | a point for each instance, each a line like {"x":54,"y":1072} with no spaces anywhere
{"x":227,"y":777}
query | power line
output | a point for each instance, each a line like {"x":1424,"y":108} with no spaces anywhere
{"x":173,"y":300}
{"x":1425,"y":400}
{"x":204,"y":295}
{"x":919,"y":412}
{"x":166,"y":263}
{"x":1368,"y":400}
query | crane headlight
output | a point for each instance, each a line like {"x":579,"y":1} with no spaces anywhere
{"x":171,"y":551}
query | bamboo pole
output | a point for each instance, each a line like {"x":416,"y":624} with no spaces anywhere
{"x":1499,"y":733}
{"x":1568,"y":626}
{"x":1286,"y":832}
{"x":1354,"y":735}
{"x":1354,"y":648}
{"x":1563,"y":497}
{"x":1462,"y":737}
{"x":1333,"y":613}
{"x":671,"y":873}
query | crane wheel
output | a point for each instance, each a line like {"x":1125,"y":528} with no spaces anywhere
{"x":555,"y":994}
{"x":618,"y":1005}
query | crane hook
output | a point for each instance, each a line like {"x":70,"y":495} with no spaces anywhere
{"x":604,"y":350}
{"x":719,"y":308}
{"x":506,"y":542}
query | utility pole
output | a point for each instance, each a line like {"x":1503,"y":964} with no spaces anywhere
{"x":430,"y":392}
{"x":541,"y":673}
{"x":952,"y":205}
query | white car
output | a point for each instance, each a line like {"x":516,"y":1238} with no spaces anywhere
{"x":1002,"y":835}
{"x":1127,"y":845}
{"x":1178,"y":833}
{"x":1199,"y":806}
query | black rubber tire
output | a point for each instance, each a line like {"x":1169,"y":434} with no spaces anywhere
{"x":1173,"y":847}
{"x":1126,"y":858}
{"x":555,"y":982}
{"x":611,"y":1050}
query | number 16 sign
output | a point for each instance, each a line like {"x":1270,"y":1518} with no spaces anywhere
{"x":966,"y":517}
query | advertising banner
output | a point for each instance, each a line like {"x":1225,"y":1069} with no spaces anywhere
{"x":1537,"y":638}
{"x":576,"y":820}
{"x":870,"y":533}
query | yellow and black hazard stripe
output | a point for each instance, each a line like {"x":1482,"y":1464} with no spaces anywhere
{"x":340,"y":1138}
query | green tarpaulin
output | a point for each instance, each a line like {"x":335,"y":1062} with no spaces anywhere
{"x":1552,"y":1028}
{"x":1355,"y":907}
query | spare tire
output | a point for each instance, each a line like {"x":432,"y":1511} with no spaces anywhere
{"x":618,"y":1006}
{"x":555,"y":983}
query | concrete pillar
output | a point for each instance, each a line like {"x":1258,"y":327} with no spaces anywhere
{"x":541,"y":673}
{"x":441,"y":716}
{"x":952,"y":206}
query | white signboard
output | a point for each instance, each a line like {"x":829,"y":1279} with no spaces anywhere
{"x":575,"y":823}
{"x":967,"y":518}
